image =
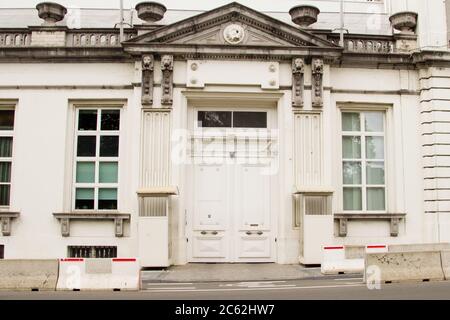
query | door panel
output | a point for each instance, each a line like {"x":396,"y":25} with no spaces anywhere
{"x":211,"y":192}
{"x":252,"y":197}
{"x":210,"y":246}
{"x":254,"y":246}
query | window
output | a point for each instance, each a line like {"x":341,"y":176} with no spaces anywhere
{"x":232,"y":119}
{"x":96,"y":159}
{"x":92,"y":252}
{"x":6,"y":145}
{"x":363,"y":161}
{"x":2,"y":251}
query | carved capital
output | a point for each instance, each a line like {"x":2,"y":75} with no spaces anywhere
{"x":147,"y":80}
{"x":167,"y":79}
{"x":317,"y":82}
{"x":298,"y":80}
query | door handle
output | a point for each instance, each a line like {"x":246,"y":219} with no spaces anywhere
{"x":248,"y":233}
{"x":203,"y":232}
{"x":260,"y":233}
{"x":214,"y":232}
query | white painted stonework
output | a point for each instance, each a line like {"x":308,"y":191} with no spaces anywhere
{"x":269,"y":194}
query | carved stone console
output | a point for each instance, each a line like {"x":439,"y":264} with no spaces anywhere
{"x":394,"y":219}
{"x":317,"y":82}
{"x":118,"y":219}
{"x":147,"y":80}
{"x":5,"y":222}
{"x":167,"y":79}
{"x":298,"y":80}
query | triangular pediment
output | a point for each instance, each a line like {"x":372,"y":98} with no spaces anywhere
{"x":233,"y":25}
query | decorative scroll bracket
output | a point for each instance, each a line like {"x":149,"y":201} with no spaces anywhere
{"x":317,"y":82}
{"x":167,"y":79}
{"x":147,"y":80}
{"x":298,"y":79}
{"x":5,"y":222}
{"x":118,"y":226}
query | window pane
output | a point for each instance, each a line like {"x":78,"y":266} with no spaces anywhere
{"x":374,"y":147}
{"x":4,"y":195}
{"x":374,"y":121}
{"x":86,"y":146}
{"x":375,"y":173}
{"x":351,"y":122}
{"x":250,"y":119}
{"x":351,"y":147}
{"x":110,"y":120}
{"x":352,"y":172}
{"x":6,"y":119}
{"x":214,"y":119}
{"x":5,"y":171}
{"x":6,"y":144}
{"x":84,"y":198}
{"x":85,"y":172}
{"x":107,"y":199}
{"x":87,"y":120}
{"x":375,"y":199}
{"x":108,"y":172}
{"x":352,"y":199}
{"x":109,"y":146}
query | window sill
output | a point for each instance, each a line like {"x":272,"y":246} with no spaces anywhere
{"x":5,"y":221}
{"x":394,"y":219}
{"x":117,"y":217}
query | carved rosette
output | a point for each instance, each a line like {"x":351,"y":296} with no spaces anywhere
{"x":317,"y":82}
{"x":147,"y":80}
{"x":167,"y":79}
{"x":298,"y":80}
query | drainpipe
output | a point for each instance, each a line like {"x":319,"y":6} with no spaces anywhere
{"x":122,"y":38}
{"x":341,"y":13}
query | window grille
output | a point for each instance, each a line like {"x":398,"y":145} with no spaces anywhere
{"x":92,"y":252}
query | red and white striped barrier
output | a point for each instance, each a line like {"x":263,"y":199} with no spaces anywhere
{"x":98,"y":274}
{"x":334,"y":260}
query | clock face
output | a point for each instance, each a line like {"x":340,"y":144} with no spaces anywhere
{"x":234,"y":34}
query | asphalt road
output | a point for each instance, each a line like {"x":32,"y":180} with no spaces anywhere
{"x":339,"y":288}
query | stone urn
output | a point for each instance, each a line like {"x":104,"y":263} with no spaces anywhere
{"x":51,"y":12}
{"x":150,"y":11}
{"x":304,"y":16}
{"x":405,"y":22}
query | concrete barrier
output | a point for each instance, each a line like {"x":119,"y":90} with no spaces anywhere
{"x":99,"y":274}
{"x":28,"y":274}
{"x":445,"y":260}
{"x":419,"y":247}
{"x":405,"y":266}
{"x":334,"y":261}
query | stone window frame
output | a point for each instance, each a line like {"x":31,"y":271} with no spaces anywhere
{"x":96,"y":185}
{"x":71,"y":137}
{"x":12,"y":134}
{"x":390,"y":201}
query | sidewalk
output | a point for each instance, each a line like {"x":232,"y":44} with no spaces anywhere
{"x":203,"y":272}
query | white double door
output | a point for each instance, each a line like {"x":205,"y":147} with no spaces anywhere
{"x":231,"y":216}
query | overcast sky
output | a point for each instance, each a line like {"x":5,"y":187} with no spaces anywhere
{"x":277,"y":5}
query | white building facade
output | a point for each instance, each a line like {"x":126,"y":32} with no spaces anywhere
{"x":228,"y":135}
